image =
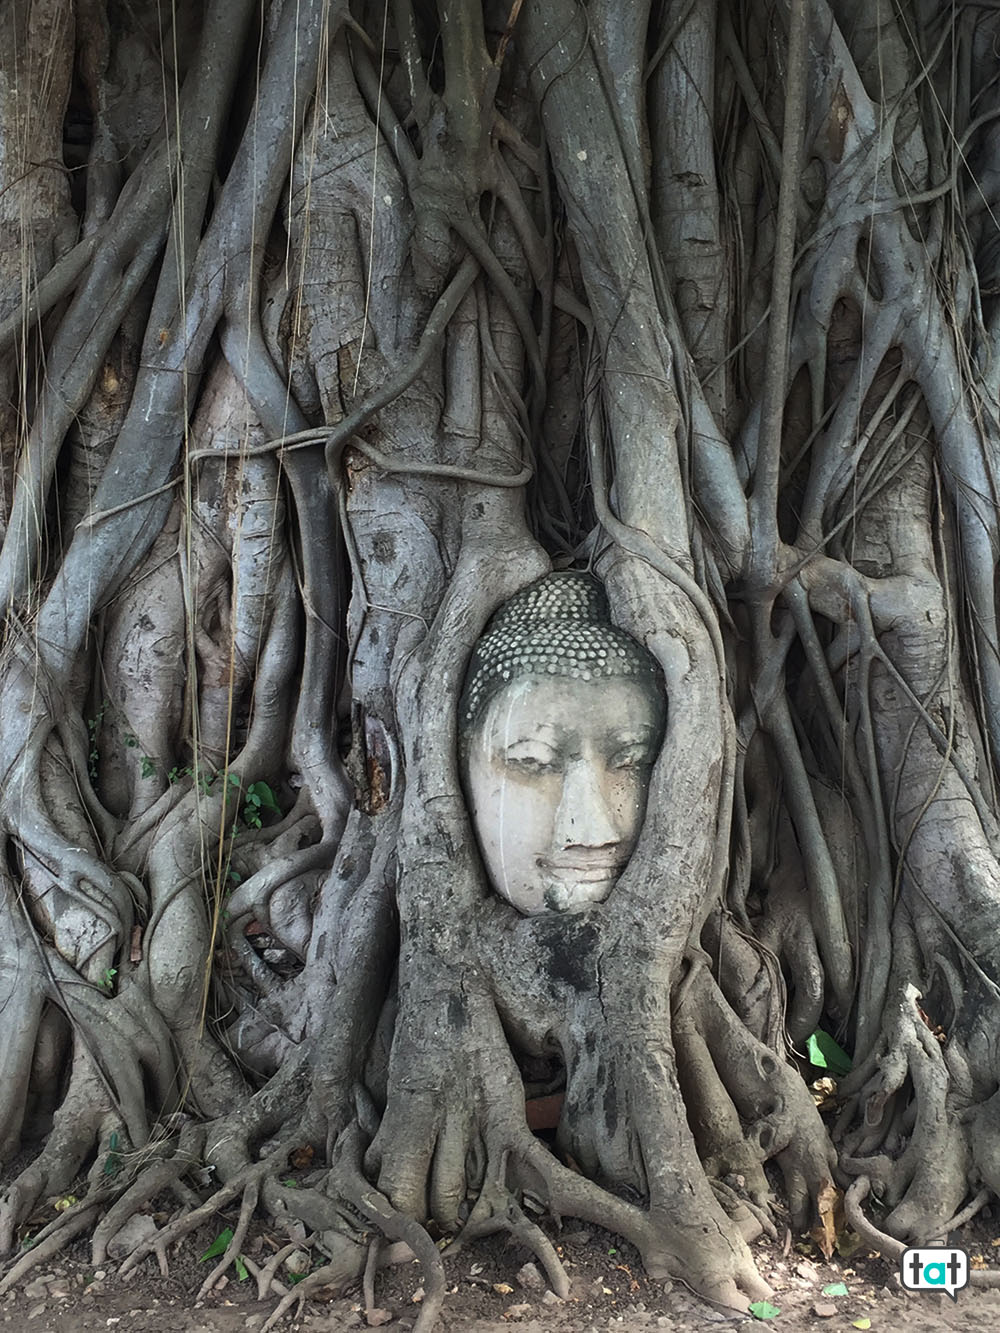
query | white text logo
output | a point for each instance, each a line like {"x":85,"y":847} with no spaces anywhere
{"x":935,"y":1268}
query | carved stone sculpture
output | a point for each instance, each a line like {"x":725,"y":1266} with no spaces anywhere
{"x":561,"y":720}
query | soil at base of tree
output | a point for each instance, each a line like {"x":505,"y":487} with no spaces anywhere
{"x":490,"y":1289}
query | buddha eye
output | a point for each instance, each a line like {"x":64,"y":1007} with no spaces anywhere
{"x":532,"y":762}
{"x":631,"y":756}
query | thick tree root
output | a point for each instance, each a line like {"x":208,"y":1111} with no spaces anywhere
{"x":926,"y":1183}
{"x":887,"y":1245}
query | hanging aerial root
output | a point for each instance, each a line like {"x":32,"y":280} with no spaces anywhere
{"x":76,"y":1128}
{"x":927,"y":1182}
{"x":771,"y":1098}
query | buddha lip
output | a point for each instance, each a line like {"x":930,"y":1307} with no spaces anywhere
{"x":579,"y":870}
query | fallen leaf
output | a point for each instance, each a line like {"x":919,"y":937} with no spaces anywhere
{"x":829,"y":1202}
{"x":861,"y":1323}
{"x":502,"y":1288}
{"x":764,"y":1310}
{"x":848,"y":1243}
{"x":300,"y":1158}
{"x":219,"y":1245}
{"x":835,"y":1289}
{"x":824,"y":1093}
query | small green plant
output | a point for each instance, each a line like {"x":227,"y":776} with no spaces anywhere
{"x":130,"y":740}
{"x":147,"y":766}
{"x":108,"y":979}
{"x":259,"y":797}
{"x":113,"y":1162}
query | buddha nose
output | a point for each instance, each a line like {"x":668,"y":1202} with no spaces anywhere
{"x":585,"y":817}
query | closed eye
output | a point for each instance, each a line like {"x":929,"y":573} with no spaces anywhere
{"x":632,"y":756}
{"x":533,"y":759}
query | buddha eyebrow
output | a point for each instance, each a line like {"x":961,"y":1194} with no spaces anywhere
{"x":512,"y":742}
{"x":638,"y":731}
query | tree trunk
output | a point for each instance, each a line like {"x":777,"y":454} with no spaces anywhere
{"x":327,"y":328}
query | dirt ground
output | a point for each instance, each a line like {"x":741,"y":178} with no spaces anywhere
{"x":490,"y":1289}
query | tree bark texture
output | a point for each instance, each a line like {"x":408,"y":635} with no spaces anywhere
{"x":324,"y":328}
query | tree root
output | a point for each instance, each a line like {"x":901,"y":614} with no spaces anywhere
{"x":250,"y":1196}
{"x":887,"y":1245}
{"x":151,"y":1181}
{"x":497,"y":1209}
{"x":190,"y":1221}
{"x":267,"y":1277}
{"x":52,"y":1238}
{"x":925,"y":1184}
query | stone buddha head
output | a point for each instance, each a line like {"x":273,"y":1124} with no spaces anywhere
{"x":561,"y":719}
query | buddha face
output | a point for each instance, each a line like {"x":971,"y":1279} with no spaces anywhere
{"x":556,"y":773}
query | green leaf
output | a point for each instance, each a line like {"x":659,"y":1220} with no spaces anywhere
{"x":292,"y":1278}
{"x":147,"y":766}
{"x":824,"y":1053}
{"x":835,"y":1289}
{"x":242,"y":1272}
{"x":864,"y":1322}
{"x":218,"y":1246}
{"x":764,"y":1310}
{"x":262,"y":795}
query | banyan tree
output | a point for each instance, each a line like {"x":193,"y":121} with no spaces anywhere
{"x":328,"y":331}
